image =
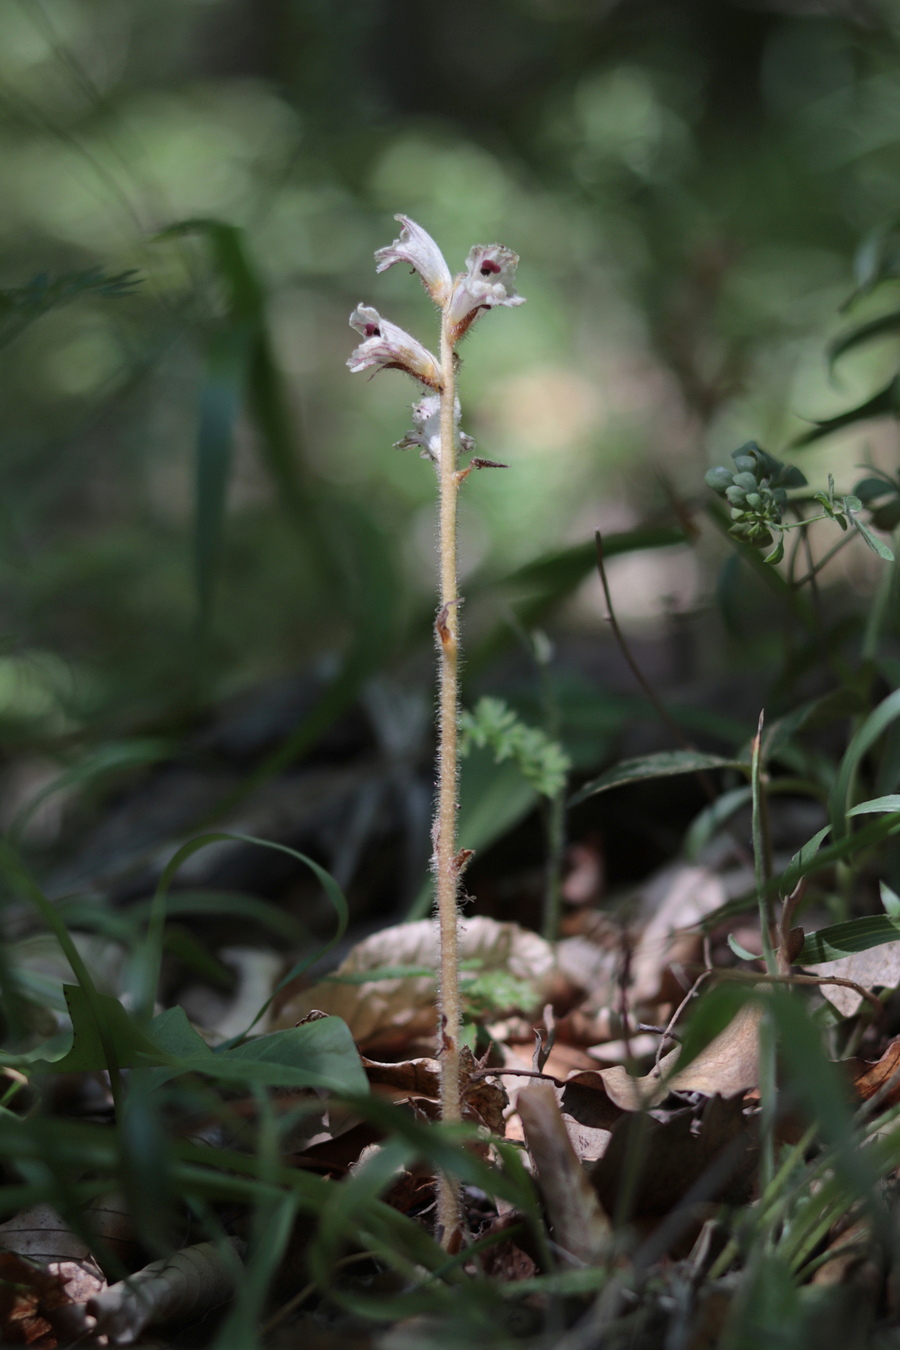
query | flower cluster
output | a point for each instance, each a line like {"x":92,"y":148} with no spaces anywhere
{"x":755,"y":491}
{"x":488,"y":281}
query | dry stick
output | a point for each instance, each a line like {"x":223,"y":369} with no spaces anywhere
{"x":665,"y":717}
{"x":446,"y":872}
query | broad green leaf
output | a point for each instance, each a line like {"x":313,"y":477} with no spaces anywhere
{"x":87,"y":1052}
{"x":841,"y":939}
{"x":318,"y":1054}
{"x":886,"y":403}
{"x":172,"y":1035}
{"x":321,"y":1053}
{"x":865,"y":332}
{"x":666,"y":764}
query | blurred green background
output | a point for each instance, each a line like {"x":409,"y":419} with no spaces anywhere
{"x":194,"y":492}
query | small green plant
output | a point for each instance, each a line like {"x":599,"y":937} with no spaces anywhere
{"x":757,"y":492}
{"x":541,"y":761}
{"x":488,"y":281}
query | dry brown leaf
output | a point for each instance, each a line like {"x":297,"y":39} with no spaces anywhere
{"x":666,"y":1158}
{"x":388,"y":1013}
{"x":876,"y":968}
{"x":29,"y":1295}
{"x":506,"y":1262}
{"x":579,"y":1225}
{"x":188,"y":1284}
{"x":590,"y":1143}
{"x":676,"y":899}
{"x":419,"y":1081}
{"x":884,"y":1073}
{"x":728,"y":1067}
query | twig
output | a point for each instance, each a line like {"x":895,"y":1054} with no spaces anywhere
{"x":753,"y":978}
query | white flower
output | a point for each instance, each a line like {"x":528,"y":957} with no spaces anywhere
{"x":416,"y":247}
{"x":489,"y":280}
{"x":427,"y":429}
{"x":387,"y":347}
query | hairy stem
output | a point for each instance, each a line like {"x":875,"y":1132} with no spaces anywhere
{"x":445,"y":869}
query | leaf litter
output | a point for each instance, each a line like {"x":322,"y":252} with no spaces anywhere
{"x":641,"y":1145}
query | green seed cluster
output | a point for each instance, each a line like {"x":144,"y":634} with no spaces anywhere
{"x":755,"y":491}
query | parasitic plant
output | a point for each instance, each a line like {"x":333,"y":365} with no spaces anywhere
{"x":488,"y":280}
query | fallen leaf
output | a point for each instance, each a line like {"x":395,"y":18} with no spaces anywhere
{"x":578,"y":1223}
{"x":385,"y":988}
{"x":676,"y":899}
{"x":27,"y":1295}
{"x":727,"y":1068}
{"x":654,"y":1163}
{"x":419,"y":1080}
{"x":875,"y":968}
{"x":187,"y":1284}
{"x":871,"y":1078}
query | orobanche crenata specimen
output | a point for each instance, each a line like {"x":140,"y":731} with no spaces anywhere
{"x":488,"y":281}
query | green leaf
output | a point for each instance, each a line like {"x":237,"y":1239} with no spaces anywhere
{"x":104,"y":759}
{"x":871,"y":489}
{"x":875,"y":544}
{"x":875,"y":328}
{"x":741,"y":951}
{"x":842,"y":939}
{"x":220,"y":403}
{"x":148,"y":974}
{"x":872,"y":728}
{"x":886,"y":403}
{"x":705,"y":825}
{"x":88,"y":1053}
{"x":891,"y":802}
{"x":666,"y":764}
{"x":172,"y":1034}
{"x":777,"y":552}
{"x":316,"y":1054}
{"x":801,"y":861}
{"x":540,"y":760}
{"x":891,"y":901}
{"x":559,"y":572}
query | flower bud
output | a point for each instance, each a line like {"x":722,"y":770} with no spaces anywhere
{"x":719,"y":479}
{"x":387,"y":347}
{"x":416,"y":247}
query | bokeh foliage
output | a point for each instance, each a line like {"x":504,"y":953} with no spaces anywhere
{"x":686,"y":184}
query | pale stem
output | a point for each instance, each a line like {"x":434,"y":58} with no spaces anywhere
{"x":445,"y":868}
